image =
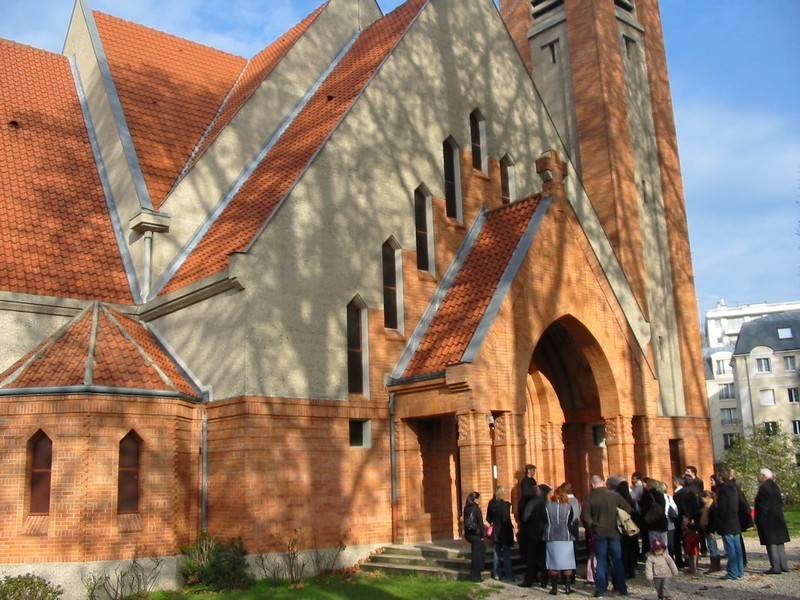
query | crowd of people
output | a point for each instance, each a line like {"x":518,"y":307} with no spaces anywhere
{"x":670,"y":531}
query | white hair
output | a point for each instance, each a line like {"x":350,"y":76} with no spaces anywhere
{"x":766,"y":473}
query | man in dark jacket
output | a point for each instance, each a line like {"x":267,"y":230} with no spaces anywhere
{"x":600,"y":518}
{"x":770,"y":522}
{"x":534,"y":519}
{"x":527,"y":490}
{"x":729,"y":499}
{"x":688,"y":503}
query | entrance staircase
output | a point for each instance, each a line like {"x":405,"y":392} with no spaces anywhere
{"x":449,"y":559}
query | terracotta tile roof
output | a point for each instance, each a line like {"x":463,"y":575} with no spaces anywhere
{"x":56,"y":238}
{"x":170,"y":90}
{"x":100,"y":348}
{"x":246,"y":214}
{"x":254,"y":74}
{"x":450,"y":331}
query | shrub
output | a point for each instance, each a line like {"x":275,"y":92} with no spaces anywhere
{"x":28,"y":587}
{"x":216,"y":565}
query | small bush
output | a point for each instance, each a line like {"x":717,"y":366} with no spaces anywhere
{"x":217,"y":565}
{"x":28,"y":587}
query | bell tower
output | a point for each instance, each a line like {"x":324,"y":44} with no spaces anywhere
{"x":600,"y":68}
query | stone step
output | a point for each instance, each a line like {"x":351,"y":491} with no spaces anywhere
{"x":445,"y":560}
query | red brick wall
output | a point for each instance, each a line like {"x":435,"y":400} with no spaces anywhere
{"x":276,"y":464}
{"x":83,"y":524}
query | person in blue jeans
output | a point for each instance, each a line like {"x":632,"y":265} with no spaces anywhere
{"x":729,"y":502}
{"x":599,"y":516}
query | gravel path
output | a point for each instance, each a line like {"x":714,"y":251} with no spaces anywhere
{"x":753,"y":585}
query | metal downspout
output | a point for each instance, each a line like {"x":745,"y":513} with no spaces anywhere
{"x":393,"y":464}
{"x":148,"y":262}
{"x":204,"y":473}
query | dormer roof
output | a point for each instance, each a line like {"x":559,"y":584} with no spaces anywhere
{"x":100,"y":351}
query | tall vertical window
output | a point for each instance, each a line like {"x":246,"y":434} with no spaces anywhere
{"x":789,"y":363}
{"x":796,"y":427}
{"x":507,"y":182}
{"x":729,"y":416}
{"x":728,"y":440}
{"x":392,"y":285}
{"x":771,"y":427}
{"x":720,"y":367}
{"x":452,"y":179}
{"x":357,"y":347}
{"x":763,"y":365}
{"x":727,"y":391}
{"x":41,"y":448}
{"x":128,"y":480}
{"x":477,"y":129}
{"x":423,"y":218}
{"x":794,"y":394}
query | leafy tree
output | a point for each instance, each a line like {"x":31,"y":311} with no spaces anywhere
{"x":766,"y":448}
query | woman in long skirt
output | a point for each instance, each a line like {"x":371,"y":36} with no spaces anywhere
{"x":559,"y":536}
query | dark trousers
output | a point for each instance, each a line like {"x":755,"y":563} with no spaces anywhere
{"x":630,"y":554}
{"x":477,"y":557}
{"x":677,"y":548}
{"x":535,"y":563}
{"x":777,"y":558}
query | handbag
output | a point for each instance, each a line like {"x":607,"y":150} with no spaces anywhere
{"x":654,"y":514}
{"x":625,"y":524}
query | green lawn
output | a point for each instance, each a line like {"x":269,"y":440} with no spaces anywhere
{"x":792,"y":515}
{"x":352,"y":587}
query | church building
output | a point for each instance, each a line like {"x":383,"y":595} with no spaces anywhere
{"x":337,"y":286}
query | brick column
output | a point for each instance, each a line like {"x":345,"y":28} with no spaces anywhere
{"x":551,"y":471}
{"x":619,"y":445}
{"x":475,"y":451}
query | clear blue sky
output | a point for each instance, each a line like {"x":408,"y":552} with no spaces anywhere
{"x":735,"y":75}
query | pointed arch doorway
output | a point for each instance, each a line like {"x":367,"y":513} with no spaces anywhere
{"x":570,"y":387}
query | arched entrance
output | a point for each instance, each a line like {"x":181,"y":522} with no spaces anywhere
{"x":570,"y":389}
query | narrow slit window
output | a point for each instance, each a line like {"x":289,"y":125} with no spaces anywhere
{"x":477,"y":128}
{"x":41,"y":473}
{"x":423,"y":218}
{"x":392,"y":285}
{"x":552,"y":50}
{"x":452,"y":179}
{"x":129,"y":475}
{"x":355,"y":347}
{"x":507,"y":182}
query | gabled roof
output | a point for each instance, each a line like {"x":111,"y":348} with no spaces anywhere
{"x":56,"y":238}
{"x":253,"y":75}
{"x":170,"y":90}
{"x":470,"y":294}
{"x":103,"y":351}
{"x":764,"y":332}
{"x":249,"y":210}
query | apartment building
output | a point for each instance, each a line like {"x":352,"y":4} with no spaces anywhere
{"x":751,"y":372}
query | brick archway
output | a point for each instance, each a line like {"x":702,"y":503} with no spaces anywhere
{"x":571,"y":388}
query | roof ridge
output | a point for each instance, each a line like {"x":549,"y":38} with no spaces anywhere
{"x":276,"y":178}
{"x":201,"y":147}
{"x":165,"y":33}
{"x":144,"y":355}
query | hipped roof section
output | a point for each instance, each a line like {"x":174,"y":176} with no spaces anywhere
{"x":100,"y":351}
{"x":469,"y":297}
{"x":249,"y":210}
{"x":57,"y":237}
